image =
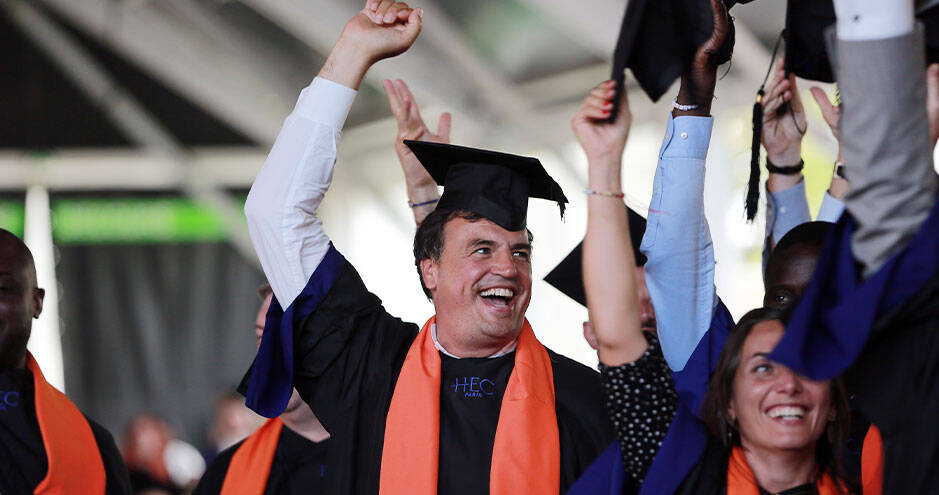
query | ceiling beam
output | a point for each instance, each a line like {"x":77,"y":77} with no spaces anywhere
{"x":129,"y":117}
{"x":240,"y":90}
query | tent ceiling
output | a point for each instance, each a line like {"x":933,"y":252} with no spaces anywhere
{"x":226,"y":72}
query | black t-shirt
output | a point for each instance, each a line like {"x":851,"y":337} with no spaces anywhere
{"x":23,"y":462}
{"x":347,"y":356}
{"x":471,"y":393}
{"x":298,"y":467}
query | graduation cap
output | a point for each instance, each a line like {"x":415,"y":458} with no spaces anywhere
{"x":807,"y":57}
{"x":491,"y":184}
{"x":806,"y":22}
{"x":567,"y":277}
{"x":658,"y":40}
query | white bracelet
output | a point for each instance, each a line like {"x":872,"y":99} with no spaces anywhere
{"x":683,"y":108}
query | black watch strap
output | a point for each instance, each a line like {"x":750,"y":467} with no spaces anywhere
{"x":789,"y":170}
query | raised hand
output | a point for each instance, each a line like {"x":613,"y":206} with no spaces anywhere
{"x":830,"y":112}
{"x":608,"y":264}
{"x":382,"y":29}
{"x":697,"y":86}
{"x":784,"y":121}
{"x":838,"y":188}
{"x":600,"y":139}
{"x":421,"y":187}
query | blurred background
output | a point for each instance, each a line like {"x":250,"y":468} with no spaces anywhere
{"x":131,"y":131}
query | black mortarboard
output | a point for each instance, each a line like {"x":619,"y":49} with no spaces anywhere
{"x":658,"y":40}
{"x":806,"y":22}
{"x":568,"y":276}
{"x":807,"y":57}
{"x":491,"y":184}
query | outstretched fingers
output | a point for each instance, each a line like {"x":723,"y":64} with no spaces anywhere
{"x":830,"y":112}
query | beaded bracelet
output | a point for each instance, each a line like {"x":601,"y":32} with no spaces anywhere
{"x":684,"y":108}
{"x":422,"y":203}
{"x":608,"y":194}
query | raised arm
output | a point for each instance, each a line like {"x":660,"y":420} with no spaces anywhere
{"x":282,"y":203}
{"x":885,"y":132}
{"x":680,"y":268}
{"x":608,"y":264}
{"x":634,"y":372}
{"x":421,"y":188}
{"x":784,"y":126}
{"x":833,"y":202}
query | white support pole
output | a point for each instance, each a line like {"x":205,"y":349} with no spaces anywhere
{"x":45,"y":343}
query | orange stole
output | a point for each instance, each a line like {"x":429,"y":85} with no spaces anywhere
{"x":251,"y":465}
{"x":872,"y":463}
{"x":740,"y":479}
{"x":75,"y":465}
{"x":526,"y":453}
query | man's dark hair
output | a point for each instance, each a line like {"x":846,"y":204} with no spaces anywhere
{"x":811,"y":235}
{"x":264,"y":290}
{"x":830,"y":447}
{"x":428,"y":240}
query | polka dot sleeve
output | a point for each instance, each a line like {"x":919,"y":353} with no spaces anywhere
{"x":641,"y":401}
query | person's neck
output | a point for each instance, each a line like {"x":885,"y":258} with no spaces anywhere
{"x":779,"y":470}
{"x":18,"y":363}
{"x":304,"y":422}
{"x":473,"y":349}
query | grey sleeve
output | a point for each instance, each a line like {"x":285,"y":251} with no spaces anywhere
{"x":885,"y":138}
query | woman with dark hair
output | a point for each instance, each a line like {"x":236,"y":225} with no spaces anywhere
{"x":771,"y":430}
{"x":754,"y":404}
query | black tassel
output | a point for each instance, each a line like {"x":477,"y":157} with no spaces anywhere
{"x":753,"y":185}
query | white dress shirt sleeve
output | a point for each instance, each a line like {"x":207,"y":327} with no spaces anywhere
{"x":281,"y":206}
{"x":873,"y":19}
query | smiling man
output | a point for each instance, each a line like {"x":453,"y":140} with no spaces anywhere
{"x":46,"y":444}
{"x":473,"y":403}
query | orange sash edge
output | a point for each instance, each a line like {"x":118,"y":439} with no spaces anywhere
{"x":526,"y":453}
{"x":75,"y":464}
{"x":741,"y":481}
{"x":872,"y":463}
{"x":250,"y":466}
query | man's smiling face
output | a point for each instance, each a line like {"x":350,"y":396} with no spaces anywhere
{"x":481,"y":286}
{"x":20,"y":300}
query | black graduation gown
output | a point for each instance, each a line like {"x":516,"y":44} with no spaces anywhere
{"x":298,"y":467}
{"x":882,"y":333}
{"x":347,"y":356}
{"x":896,"y":384}
{"x":23,"y":462}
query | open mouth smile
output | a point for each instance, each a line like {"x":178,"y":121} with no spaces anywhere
{"x":787,"y":413}
{"x":500,"y":298}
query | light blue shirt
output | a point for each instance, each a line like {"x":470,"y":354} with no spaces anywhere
{"x":677,"y":242}
{"x":789,"y":208}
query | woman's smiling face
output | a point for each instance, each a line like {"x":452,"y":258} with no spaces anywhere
{"x":775,"y":408}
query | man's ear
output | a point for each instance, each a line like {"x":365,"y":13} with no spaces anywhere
{"x":38,"y":295}
{"x":429,"y":273}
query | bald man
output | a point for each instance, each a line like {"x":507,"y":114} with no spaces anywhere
{"x":47,"y":445}
{"x":291,"y":447}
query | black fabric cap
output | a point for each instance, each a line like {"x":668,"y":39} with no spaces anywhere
{"x":568,"y":276}
{"x":491,"y":184}
{"x":806,"y":22}
{"x":658,"y":40}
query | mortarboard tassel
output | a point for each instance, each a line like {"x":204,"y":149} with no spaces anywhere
{"x":753,"y":185}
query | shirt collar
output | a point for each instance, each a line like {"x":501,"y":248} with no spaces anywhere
{"x":501,"y":352}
